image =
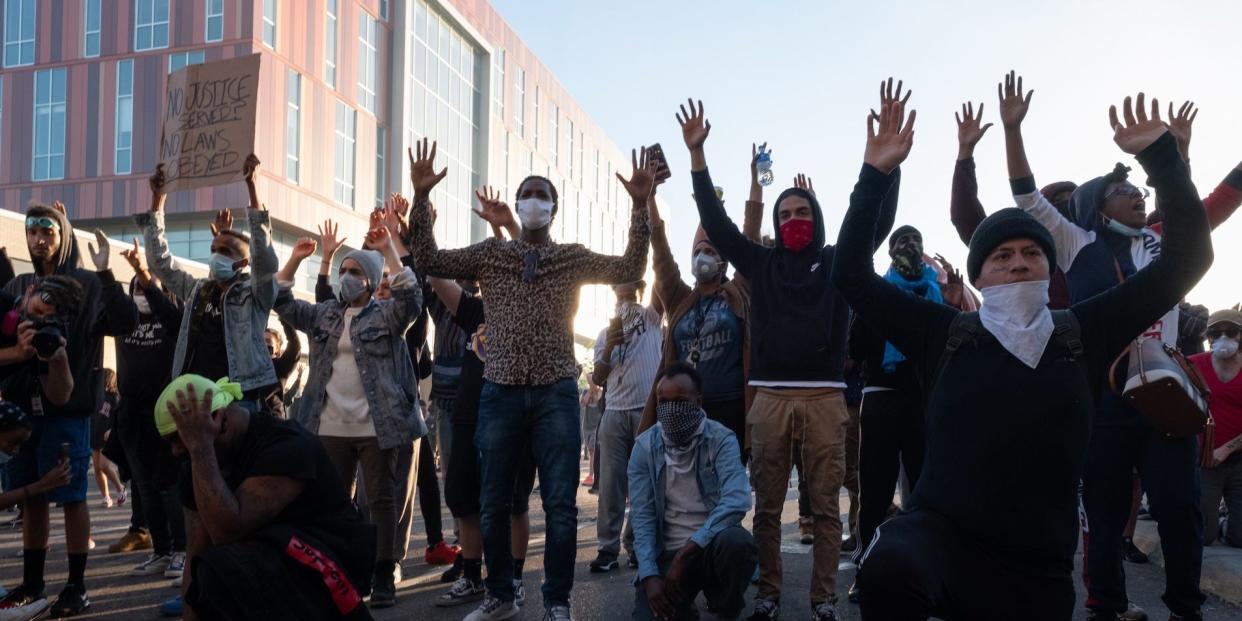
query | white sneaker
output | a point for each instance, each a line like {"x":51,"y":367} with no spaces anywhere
{"x":493,"y":610}
{"x":177,"y":582}
{"x":461,"y":592}
{"x":24,"y":612}
{"x":176,"y":565}
{"x":557,"y":613}
{"x":152,"y":565}
{"x":519,"y":593}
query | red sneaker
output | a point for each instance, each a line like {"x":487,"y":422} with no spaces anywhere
{"x":589,"y":481}
{"x":441,"y":554}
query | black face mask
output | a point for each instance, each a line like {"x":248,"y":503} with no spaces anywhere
{"x":908,"y":260}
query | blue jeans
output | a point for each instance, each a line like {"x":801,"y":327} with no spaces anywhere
{"x":545,"y":421}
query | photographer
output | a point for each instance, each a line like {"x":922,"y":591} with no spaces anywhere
{"x":83,"y":306}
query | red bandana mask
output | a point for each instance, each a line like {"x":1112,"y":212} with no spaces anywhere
{"x":796,"y":234}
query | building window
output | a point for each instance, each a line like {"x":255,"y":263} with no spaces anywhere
{"x":498,"y":83}
{"x":215,"y":21}
{"x":384,"y":10}
{"x":293,"y":124}
{"x":343,"y":185}
{"x":381,"y":175}
{"x":90,"y":29}
{"x":538,"y":106}
{"x":124,"y":117}
{"x":180,"y":60}
{"x":269,"y":23}
{"x":49,"y":125}
{"x":1,"y":101}
{"x":368,"y":48}
{"x":554,"y":129}
{"x":504,"y":163}
{"x":19,"y":32}
{"x":151,"y":25}
{"x":329,"y":48}
{"x":519,"y":103}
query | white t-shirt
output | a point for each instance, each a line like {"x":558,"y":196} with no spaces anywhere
{"x":684,"y":510}
{"x":635,"y":361}
{"x":346,"y":413}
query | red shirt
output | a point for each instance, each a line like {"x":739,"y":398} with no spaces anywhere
{"x":1226,"y":402}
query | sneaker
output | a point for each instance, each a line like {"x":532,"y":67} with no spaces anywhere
{"x":557,"y":613}
{"x":131,"y":542}
{"x":806,"y":526}
{"x":1144,"y":514}
{"x":604,"y":563}
{"x":440,"y":554}
{"x":176,"y":565}
{"x":825,"y":611}
{"x":1131,"y":553}
{"x":452,"y":574}
{"x":631,"y":561}
{"x":765,"y":610}
{"x":384,"y":593}
{"x":462,"y":591}
{"x":1133,"y":613}
{"x":152,"y":565}
{"x":106,"y":502}
{"x":122,"y":497}
{"x":72,"y":601}
{"x":849,"y":545}
{"x":177,"y":582}
{"x":171,"y":608}
{"x":855,"y":593}
{"x":493,"y":609}
{"x":589,"y":481}
{"x":519,"y":593}
{"x":22,"y":603}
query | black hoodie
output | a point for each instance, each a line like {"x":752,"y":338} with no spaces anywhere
{"x":798,"y":322}
{"x":106,"y":311}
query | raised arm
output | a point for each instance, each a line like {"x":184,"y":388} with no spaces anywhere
{"x":916,"y":326}
{"x":1122,"y":313}
{"x":965,"y":210}
{"x":116,"y":314}
{"x":302,"y":249}
{"x":460,"y":263}
{"x":629,"y":267}
{"x":407,"y":295}
{"x":732,"y":244}
{"x":263,"y":261}
{"x":6,"y":268}
{"x":159,"y":258}
{"x":496,"y":212}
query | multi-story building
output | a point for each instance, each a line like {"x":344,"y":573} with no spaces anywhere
{"x":346,"y":86}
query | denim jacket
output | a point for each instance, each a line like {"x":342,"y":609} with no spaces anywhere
{"x":247,"y":303}
{"x":378,"y":335}
{"x":722,"y":484}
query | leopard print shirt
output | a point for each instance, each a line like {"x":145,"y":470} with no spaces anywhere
{"x":530,"y":324}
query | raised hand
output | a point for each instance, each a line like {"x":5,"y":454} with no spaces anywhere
{"x":224,"y":222}
{"x":1138,"y":132}
{"x":133,"y":257}
{"x":100,"y":254}
{"x":889,"y":146}
{"x":250,"y":168}
{"x":422,"y":168}
{"x":694,"y":127}
{"x":1013,"y":102}
{"x":969,"y":130}
{"x":327,"y":237}
{"x":888,"y":95}
{"x":642,"y":180}
{"x":59,"y":206}
{"x":803,"y":182}
{"x":156,"y":180}
{"x":379,"y":239}
{"x":493,"y":209}
{"x":196,"y":427}
{"x":1180,"y":124}
{"x":395,"y":208}
{"x":303,"y":248}
{"x":374,"y":222}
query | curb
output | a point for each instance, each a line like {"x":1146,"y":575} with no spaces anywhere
{"x":1222,"y":565}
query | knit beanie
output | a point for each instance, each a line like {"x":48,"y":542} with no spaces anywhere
{"x":904,"y":229}
{"x":1000,"y":227}
{"x":372,"y":264}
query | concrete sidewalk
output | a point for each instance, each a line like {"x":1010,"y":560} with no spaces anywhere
{"x":1222,"y":565}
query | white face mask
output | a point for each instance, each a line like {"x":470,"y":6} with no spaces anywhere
{"x":1224,"y":348}
{"x":535,"y":213}
{"x":144,"y":307}
{"x":706,"y":267}
{"x":1017,"y":315}
{"x":1121,"y":229}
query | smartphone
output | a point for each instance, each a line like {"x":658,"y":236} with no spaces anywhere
{"x":656,"y":153}
{"x":64,"y":451}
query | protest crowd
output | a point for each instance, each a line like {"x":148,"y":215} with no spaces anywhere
{"x":987,"y":426}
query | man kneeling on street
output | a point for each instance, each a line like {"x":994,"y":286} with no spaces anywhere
{"x":271,"y":533}
{"x":688,"y":494}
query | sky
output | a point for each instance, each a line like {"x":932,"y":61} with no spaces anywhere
{"x":801,"y":75}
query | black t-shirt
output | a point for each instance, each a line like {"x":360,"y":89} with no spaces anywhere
{"x":206,"y":355}
{"x":283,"y":448}
{"x":469,"y":317}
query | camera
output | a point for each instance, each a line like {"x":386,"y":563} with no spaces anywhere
{"x":47,"y":334}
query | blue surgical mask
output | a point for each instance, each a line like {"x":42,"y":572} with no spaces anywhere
{"x":1121,"y":229}
{"x":221,"y":267}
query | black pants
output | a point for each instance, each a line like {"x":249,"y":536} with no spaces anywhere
{"x":920,"y":565}
{"x":891,"y":435}
{"x":151,"y":465}
{"x":721,"y":572}
{"x":429,"y":492}
{"x":731,"y":414}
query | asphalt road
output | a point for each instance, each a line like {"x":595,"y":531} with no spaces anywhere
{"x":117,"y":596}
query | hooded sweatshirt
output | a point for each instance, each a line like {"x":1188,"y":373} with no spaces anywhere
{"x":106,"y":311}
{"x":798,"y":322}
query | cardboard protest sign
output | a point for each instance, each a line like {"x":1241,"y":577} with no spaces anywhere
{"x":209,"y":119}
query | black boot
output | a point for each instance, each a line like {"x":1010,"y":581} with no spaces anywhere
{"x":384,"y":593}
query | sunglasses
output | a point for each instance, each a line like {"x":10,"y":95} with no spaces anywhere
{"x":42,"y":222}
{"x":1129,"y":191}
{"x":1215,"y":333}
{"x":530,"y":264}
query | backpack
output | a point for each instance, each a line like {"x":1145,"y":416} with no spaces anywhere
{"x":968,"y":328}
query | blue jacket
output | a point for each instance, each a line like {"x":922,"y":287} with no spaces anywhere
{"x":722,"y":483}
{"x":247,"y":302}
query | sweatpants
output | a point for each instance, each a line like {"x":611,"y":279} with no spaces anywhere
{"x":919,"y":565}
{"x":892,"y":436}
{"x":617,"y":430}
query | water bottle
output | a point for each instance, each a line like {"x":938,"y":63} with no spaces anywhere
{"x":763,"y":163}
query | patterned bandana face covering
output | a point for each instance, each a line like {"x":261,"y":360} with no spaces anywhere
{"x":796,"y":234}
{"x":679,"y":420}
